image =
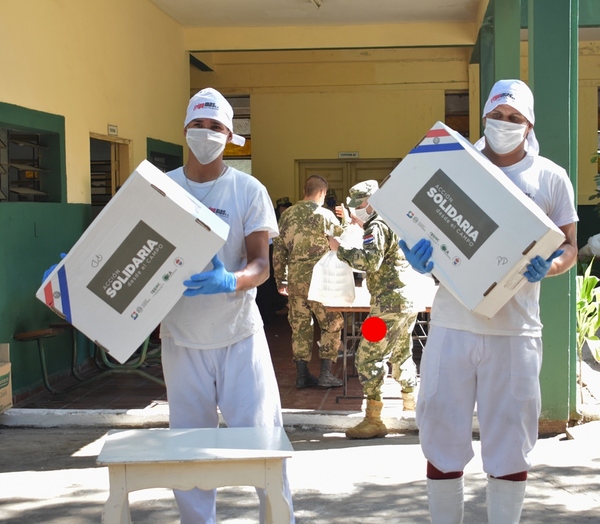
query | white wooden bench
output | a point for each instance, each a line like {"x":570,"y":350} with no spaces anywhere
{"x":187,"y":458}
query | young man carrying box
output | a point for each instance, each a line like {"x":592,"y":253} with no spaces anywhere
{"x":495,"y":362}
{"x":215,"y":354}
{"x":214,"y":348}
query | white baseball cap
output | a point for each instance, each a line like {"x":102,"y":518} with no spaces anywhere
{"x":517,"y":94}
{"x":514,"y":93}
{"x":209,"y":103}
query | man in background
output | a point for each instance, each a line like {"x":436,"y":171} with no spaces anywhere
{"x":215,"y":354}
{"x":300,"y":245}
{"x":281,"y":205}
{"x":331,"y":200}
{"x":269,"y":301}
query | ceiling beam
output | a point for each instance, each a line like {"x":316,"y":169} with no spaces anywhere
{"x":435,"y":34}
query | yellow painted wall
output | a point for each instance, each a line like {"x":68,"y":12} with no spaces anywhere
{"x":119,"y":62}
{"x":310,"y":105}
{"x":288,"y":85}
{"x":290,"y":127}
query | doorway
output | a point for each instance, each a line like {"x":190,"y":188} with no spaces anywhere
{"x":110,"y":165}
{"x":343,"y":174}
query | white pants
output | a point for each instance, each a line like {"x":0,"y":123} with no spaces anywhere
{"x":501,"y":375}
{"x":240,"y":381}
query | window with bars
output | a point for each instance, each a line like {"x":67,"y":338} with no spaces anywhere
{"x":24,"y":167}
{"x":32,"y":155}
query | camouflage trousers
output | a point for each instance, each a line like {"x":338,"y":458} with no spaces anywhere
{"x":300,"y":317}
{"x":395,"y":348}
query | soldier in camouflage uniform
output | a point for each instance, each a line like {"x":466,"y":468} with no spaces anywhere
{"x":381,"y":259}
{"x":302,"y":242}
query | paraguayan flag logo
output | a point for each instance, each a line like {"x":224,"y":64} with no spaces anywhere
{"x":437,"y":140}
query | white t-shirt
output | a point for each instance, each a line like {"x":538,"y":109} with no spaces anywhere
{"x":216,"y":321}
{"x":548,"y":185}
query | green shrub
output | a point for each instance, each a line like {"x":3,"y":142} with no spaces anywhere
{"x":588,"y":311}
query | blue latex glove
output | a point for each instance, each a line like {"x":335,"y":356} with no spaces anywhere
{"x":538,"y":267}
{"x":217,"y":280}
{"x":418,"y":256}
{"x":51,"y":268}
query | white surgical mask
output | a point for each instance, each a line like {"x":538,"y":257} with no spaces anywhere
{"x":503,"y":137}
{"x":206,"y":144}
{"x":362,"y":214}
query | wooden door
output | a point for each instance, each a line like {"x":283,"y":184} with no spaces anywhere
{"x":343,"y":174}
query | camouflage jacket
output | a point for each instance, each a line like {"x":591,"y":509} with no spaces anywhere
{"x":301,"y":243}
{"x":381,"y":258}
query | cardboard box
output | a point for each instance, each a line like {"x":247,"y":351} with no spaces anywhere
{"x":483,"y":228}
{"x":126,"y":271}
{"x":5,"y":379}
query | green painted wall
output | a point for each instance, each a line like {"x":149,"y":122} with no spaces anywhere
{"x":32,"y":237}
{"x":152,"y":144}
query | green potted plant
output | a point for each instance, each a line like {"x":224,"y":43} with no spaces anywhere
{"x":588,"y":314}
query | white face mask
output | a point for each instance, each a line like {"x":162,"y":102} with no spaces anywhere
{"x":503,"y":137}
{"x":206,"y":144}
{"x":362,"y":214}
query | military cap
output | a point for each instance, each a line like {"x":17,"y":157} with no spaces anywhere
{"x":283,"y":201}
{"x":360,"y":192}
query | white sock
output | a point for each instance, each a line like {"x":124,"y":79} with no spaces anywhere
{"x":446,"y":500}
{"x":504,"y":500}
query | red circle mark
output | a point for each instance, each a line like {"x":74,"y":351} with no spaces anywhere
{"x":374,"y":329}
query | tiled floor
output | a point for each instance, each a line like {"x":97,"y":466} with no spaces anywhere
{"x":133,"y":391}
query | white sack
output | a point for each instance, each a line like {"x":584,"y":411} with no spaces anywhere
{"x":592,"y":248}
{"x":332,"y":282}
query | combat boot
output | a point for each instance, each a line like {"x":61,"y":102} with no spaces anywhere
{"x":326,"y":379}
{"x":408,"y":401}
{"x":371,"y":426}
{"x":304,"y":379}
